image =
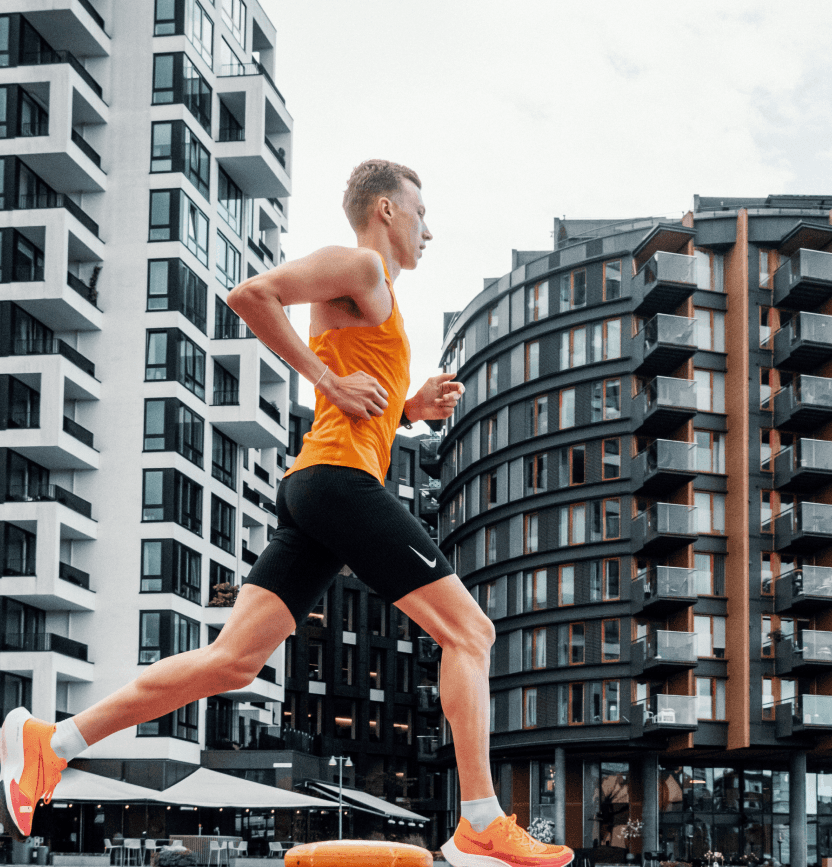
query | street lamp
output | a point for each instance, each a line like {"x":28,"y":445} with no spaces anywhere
{"x":341,"y":766}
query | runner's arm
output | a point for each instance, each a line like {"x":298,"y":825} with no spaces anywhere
{"x":329,"y":273}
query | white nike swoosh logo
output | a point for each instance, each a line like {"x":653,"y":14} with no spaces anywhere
{"x":430,"y":563}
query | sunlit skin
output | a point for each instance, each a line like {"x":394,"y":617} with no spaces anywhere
{"x":345,"y":287}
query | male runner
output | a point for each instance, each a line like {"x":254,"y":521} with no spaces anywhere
{"x":332,"y":509}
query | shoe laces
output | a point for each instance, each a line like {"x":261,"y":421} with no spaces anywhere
{"x":521,"y":837}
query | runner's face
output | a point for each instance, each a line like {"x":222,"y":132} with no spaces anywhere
{"x":410,"y":232}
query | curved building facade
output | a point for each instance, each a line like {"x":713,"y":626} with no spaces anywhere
{"x":636,"y":489}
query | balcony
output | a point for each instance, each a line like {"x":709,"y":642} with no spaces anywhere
{"x":803,"y":714}
{"x":804,"y":529}
{"x":805,"y":281}
{"x":663,"y":466}
{"x":264,"y":687}
{"x":46,"y":657}
{"x":255,"y":161}
{"x":664,"y":404}
{"x":429,"y":457}
{"x":43,"y":642}
{"x":808,"y":654}
{"x":804,"y":466}
{"x":663,"y":653}
{"x":664,"y":343}
{"x":428,"y":508}
{"x":805,"y":404}
{"x":63,"y":22}
{"x":662,"y":590}
{"x":804,"y":590}
{"x":48,"y":58}
{"x":54,"y":347}
{"x":663,"y":714}
{"x":664,"y":527}
{"x":664,"y":282}
{"x":804,"y":343}
{"x":50,"y":200}
{"x":49,"y":493}
{"x":428,"y":699}
{"x":52,"y":440}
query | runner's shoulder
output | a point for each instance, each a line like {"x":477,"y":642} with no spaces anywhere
{"x":360,"y":267}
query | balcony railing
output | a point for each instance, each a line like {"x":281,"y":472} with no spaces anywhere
{"x":664,"y":282}
{"x":668,"y":582}
{"x":271,"y":410}
{"x":279,"y":153}
{"x":812,"y":710}
{"x":43,"y":641}
{"x":663,"y":527}
{"x":815,"y":645}
{"x":806,"y":527}
{"x":43,"y":58}
{"x":661,"y":711}
{"x":53,"y":493}
{"x":670,"y":391}
{"x":805,"y":342}
{"x":249,"y":557}
{"x":806,"y":402}
{"x":37,"y":346}
{"x":665,"y":342}
{"x":805,"y":589}
{"x":805,"y":281}
{"x":73,"y":575}
{"x":232,"y":331}
{"x":261,"y":473}
{"x":277,"y":204}
{"x":268,"y":674}
{"x":664,"y":463}
{"x":226,"y":398}
{"x":25,"y":419}
{"x":57,"y":200}
{"x":93,"y":13}
{"x":36,"y":128}
{"x":250,"y":69}
{"x":806,"y":464}
{"x":79,"y":433}
{"x":86,"y":147}
{"x":251,"y":495}
{"x":232,"y":133}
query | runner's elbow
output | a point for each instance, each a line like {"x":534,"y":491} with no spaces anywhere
{"x":250,"y":294}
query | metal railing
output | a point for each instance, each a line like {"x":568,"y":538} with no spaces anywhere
{"x":271,"y":410}
{"x":25,"y":419}
{"x":86,"y":147}
{"x":44,"y":58}
{"x":668,"y":582}
{"x":52,"y":199}
{"x":669,"y":710}
{"x":93,"y":13}
{"x":811,"y":264}
{"x":80,"y":287}
{"x":43,"y":641}
{"x":664,"y":328}
{"x":50,"y":493}
{"x":73,"y":575}
{"x":251,"y":495}
{"x":54,"y":346}
{"x":226,"y":398}
{"x":814,"y":645}
{"x":79,"y":433}
{"x":804,"y":454}
{"x":253,"y":246}
{"x":250,"y":69}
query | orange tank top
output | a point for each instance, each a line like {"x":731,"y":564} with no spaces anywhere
{"x":383,"y":351}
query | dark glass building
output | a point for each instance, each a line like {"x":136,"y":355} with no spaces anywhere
{"x":636,"y":489}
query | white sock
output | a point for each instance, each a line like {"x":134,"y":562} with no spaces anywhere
{"x":481,"y":813}
{"x":67,"y":741}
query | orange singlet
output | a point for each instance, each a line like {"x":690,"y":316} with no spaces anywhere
{"x":382,"y":351}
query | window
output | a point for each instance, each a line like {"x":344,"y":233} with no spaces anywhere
{"x":491,"y":379}
{"x":710,"y":636}
{"x":538,"y":415}
{"x":4,"y":40}
{"x":228,"y":262}
{"x":606,"y":400}
{"x":197,"y":163}
{"x":765,"y":512}
{"x":190,"y":368}
{"x":200,"y":30}
{"x":765,"y":271}
{"x":766,"y":575}
{"x":710,"y":512}
{"x":709,"y":269}
{"x":493,"y":323}
{"x":150,"y":647}
{"x":611,"y":640}
{"x":224,"y":459}
{"x":710,"y":329}
{"x":491,"y":439}
{"x":765,"y":450}
{"x":152,"y":499}
{"x":168,"y":495}
{"x":171,"y":285}
{"x":611,"y":453}
{"x":573,"y":348}
{"x":765,"y":388}
{"x":573,"y":465}
{"x":573,"y":290}
{"x":534,"y":590}
{"x":165,"y":23}
{"x":161,"y":222}
{"x":612,"y":579}
{"x":776,"y":689}
{"x":710,"y":698}
{"x":187,"y":503}
{"x":611,"y":339}
{"x":710,"y":574}
{"x":612,"y":700}
{"x":490,"y":545}
{"x":577,"y":643}
{"x":567,"y":408}
{"x":226,"y":387}
{"x":163,"y":86}
{"x":197,"y":94}
{"x":765,"y":326}
{"x":573,"y":524}
{"x":611,"y":510}
{"x":154,"y":425}
{"x":532,"y":370}
{"x":165,"y":633}
{"x":612,"y":280}
{"x":195,"y":230}
{"x":234,"y":15}
{"x":710,"y":390}
{"x":161,"y":148}
{"x":222,"y":524}
{"x":534,"y":648}
{"x":710,"y":452}
{"x":229,"y":202}
{"x":529,"y":707}
{"x":530,"y":536}
{"x":490,"y":489}
{"x":536,"y":473}
{"x":766,"y":646}
{"x":566,"y":585}
{"x":537,"y":301}
{"x":189,"y":434}
{"x":576,"y":704}
{"x":151,"y":581}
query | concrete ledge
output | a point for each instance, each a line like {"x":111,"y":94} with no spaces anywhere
{"x":81,"y":860}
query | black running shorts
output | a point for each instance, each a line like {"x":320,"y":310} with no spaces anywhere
{"x":329,"y":516}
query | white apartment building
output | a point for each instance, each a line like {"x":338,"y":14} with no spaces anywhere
{"x":145,"y":163}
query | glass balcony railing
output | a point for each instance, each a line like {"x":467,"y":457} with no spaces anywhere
{"x":271,"y":410}
{"x":810,"y":266}
{"x":53,"y":493}
{"x":807,"y":394}
{"x":250,"y":69}
{"x":38,"y":346}
{"x":814,"y":645}
{"x":73,"y":575}
{"x":806,"y":455}
{"x":669,"y":392}
{"x":671,"y":646}
{"x":232,"y":331}
{"x":668,"y":582}
{"x":678,"y":331}
{"x":812,"y":327}
{"x":38,"y":58}
{"x":668,"y":456}
{"x":43,"y":641}
{"x":678,"y":710}
{"x":77,"y":432}
{"x":810,"y":581}
{"x":668,"y":519}
{"x":812,"y":518}
{"x":664,"y":267}
{"x":226,"y":398}
{"x":812,"y":710}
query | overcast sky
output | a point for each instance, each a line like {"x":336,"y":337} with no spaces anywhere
{"x":516,"y":112}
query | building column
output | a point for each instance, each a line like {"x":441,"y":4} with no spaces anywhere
{"x":797,"y":809}
{"x":560,"y":796}
{"x":650,"y":804}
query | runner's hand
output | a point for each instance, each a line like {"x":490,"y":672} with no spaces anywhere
{"x":437,"y":398}
{"x":358,"y":395}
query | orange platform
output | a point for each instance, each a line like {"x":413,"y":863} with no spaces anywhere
{"x":357,"y":853}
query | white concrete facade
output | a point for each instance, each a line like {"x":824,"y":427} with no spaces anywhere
{"x":89,"y":433}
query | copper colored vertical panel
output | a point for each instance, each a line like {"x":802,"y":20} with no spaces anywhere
{"x":738,"y":700}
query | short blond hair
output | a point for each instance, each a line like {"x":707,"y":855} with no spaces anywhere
{"x":370,"y":181}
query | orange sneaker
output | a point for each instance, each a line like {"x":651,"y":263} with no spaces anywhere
{"x":29,"y":768}
{"x":503,"y":842}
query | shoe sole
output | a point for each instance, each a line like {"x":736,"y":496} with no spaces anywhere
{"x":12,"y":759}
{"x":457,"y":858}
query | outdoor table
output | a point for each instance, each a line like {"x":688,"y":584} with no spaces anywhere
{"x":201,"y":845}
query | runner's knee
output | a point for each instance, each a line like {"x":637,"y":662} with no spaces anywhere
{"x":475,"y":637}
{"x":233,"y":672}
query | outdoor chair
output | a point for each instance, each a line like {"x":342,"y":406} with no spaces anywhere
{"x":219,"y":848}
{"x":131,"y":845}
{"x":240,"y":849}
{"x":150,"y":848}
{"x":276,"y":849}
{"x":109,"y":848}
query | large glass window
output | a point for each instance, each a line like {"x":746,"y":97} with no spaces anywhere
{"x":196,"y":93}
{"x":224,"y":459}
{"x":197,"y":162}
{"x":161,"y":147}
{"x":163,"y":85}
{"x":229,"y":201}
{"x":4,"y":40}
{"x":161,"y":216}
{"x":150,"y":639}
{"x":154,"y":425}
{"x":538,"y":415}
{"x":194,"y":230}
{"x":152,"y":496}
{"x":222,"y":524}
{"x":199,"y":28}
{"x":228,"y":262}
{"x":172,"y":285}
{"x":234,"y":15}
{"x":187,"y":503}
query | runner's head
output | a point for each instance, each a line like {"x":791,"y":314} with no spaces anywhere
{"x":382,"y":195}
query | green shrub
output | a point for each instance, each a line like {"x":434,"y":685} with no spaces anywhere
{"x":175,"y":858}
